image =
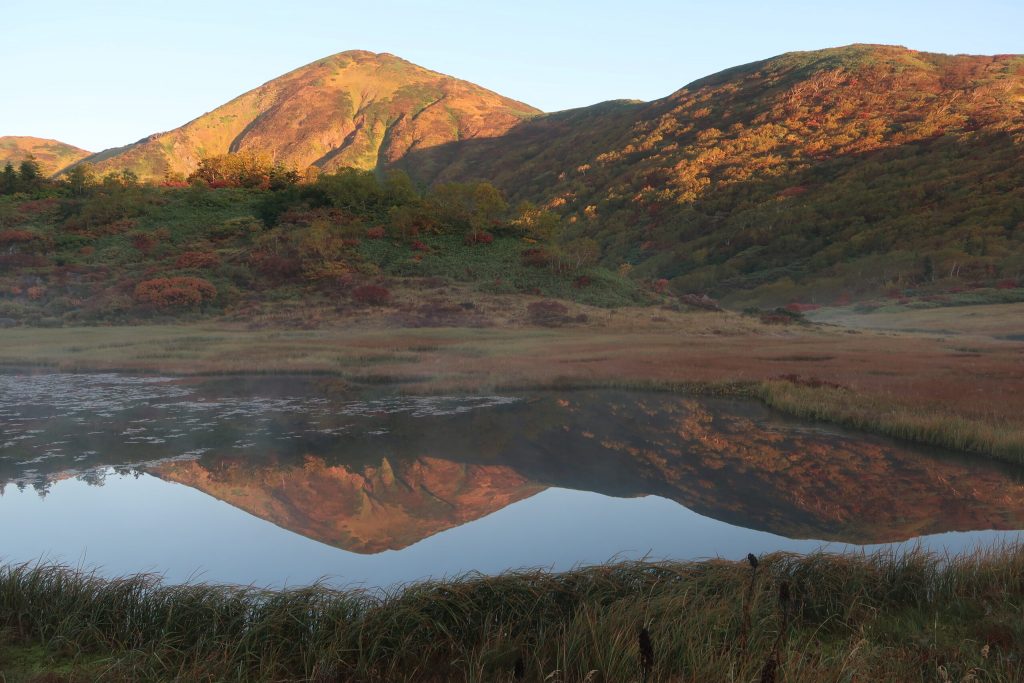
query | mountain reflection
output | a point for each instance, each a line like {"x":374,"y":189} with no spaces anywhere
{"x":371,"y":474}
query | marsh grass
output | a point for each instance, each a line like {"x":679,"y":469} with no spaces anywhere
{"x":887,"y":616}
{"x":999,"y":439}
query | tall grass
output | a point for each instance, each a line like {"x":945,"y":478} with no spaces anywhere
{"x":999,"y":439}
{"x":888,"y":616}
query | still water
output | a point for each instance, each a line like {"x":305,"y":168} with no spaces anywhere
{"x":283,"y":481}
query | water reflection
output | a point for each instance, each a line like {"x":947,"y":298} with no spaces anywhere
{"x":372,"y":473}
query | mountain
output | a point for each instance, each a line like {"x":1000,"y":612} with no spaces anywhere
{"x":811,"y":174}
{"x":351,"y":109}
{"x":52,"y":155}
{"x":366,"y":510}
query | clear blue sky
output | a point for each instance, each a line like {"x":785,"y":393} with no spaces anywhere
{"x":102,"y":73}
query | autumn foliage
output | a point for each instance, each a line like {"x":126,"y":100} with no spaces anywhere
{"x":197,"y":259}
{"x":16,"y":236}
{"x":175,"y":292}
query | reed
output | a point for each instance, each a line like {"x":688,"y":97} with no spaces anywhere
{"x":886,"y":616}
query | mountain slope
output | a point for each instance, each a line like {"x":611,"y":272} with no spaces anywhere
{"x":362,"y":511}
{"x":52,"y":155}
{"x":820,"y":172}
{"x":351,"y":109}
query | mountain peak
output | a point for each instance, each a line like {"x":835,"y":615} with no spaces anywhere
{"x":354,"y":108}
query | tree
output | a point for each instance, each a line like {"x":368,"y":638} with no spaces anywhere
{"x":8,"y":180}
{"x":536,"y":223}
{"x":468,"y":207}
{"x":79,"y":178}
{"x":577,"y":254}
{"x":29,"y":172}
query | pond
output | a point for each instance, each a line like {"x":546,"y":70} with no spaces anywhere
{"x":284,"y":480}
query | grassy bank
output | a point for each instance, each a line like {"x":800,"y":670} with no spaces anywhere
{"x":915,"y":617}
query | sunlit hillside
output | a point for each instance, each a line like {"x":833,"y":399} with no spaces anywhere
{"x":350,"y":109}
{"x":52,"y":155}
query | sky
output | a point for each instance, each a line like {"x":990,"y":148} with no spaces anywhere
{"x":104,"y":73}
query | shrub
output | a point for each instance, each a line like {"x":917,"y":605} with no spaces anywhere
{"x":175,"y":292}
{"x":548,"y":313}
{"x":372,"y":295}
{"x":536,"y":257}
{"x":198,"y":259}
{"x":144,"y":241}
{"x":16,"y":236}
{"x":479,"y":237}
{"x":375,"y":233}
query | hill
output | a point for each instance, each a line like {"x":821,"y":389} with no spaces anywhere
{"x":815,"y":176}
{"x":52,"y":155}
{"x":352,"y":109}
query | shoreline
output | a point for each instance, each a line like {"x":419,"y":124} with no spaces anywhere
{"x":884,"y":616}
{"x":954,"y":392}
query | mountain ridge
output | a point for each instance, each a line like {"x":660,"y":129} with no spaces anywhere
{"x":52,"y":155}
{"x":352,"y":108}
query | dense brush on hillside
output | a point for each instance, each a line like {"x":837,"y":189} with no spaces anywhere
{"x":118,"y":250}
{"x":812,"y":175}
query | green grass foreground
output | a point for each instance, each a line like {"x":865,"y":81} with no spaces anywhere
{"x":884,"y":617}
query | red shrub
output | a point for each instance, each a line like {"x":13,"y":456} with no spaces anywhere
{"x":174,"y":292}
{"x":802,"y":308}
{"x":420,"y":246}
{"x":582,"y":281}
{"x":536,"y":257}
{"x":479,"y":237}
{"x":16,"y":236}
{"x":144,"y":241}
{"x":376,"y":233}
{"x":660,"y":285}
{"x":1007,"y":284}
{"x":197,"y":259}
{"x":277,"y":266}
{"x":35,"y":293}
{"x":37,"y":206}
{"x":373,"y":295}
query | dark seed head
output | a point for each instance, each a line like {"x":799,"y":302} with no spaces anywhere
{"x":519,"y":670}
{"x":784,"y":593}
{"x":752,"y":559}
{"x":646,"y":651}
{"x":768,"y":672}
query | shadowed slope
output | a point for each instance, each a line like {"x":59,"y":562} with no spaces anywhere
{"x":813,"y":173}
